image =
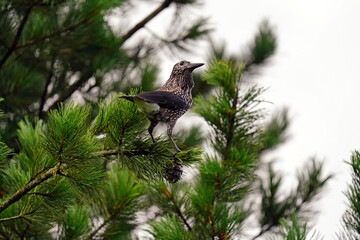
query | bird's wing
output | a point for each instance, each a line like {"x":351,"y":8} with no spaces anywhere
{"x":164,"y":99}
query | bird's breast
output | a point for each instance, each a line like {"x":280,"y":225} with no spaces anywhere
{"x":170,"y":115}
{"x":186,"y":96}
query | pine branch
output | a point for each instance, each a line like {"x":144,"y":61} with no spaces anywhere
{"x":38,"y":179}
{"x":12,"y":46}
{"x":39,"y":193}
{"x":125,"y":153}
{"x":211,"y":216}
{"x":15,"y":58}
{"x":177,"y":209}
{"x":22,"y":215}
{"x":107,"y":152}
{"x":27,"y":187}
{"x":71,"y":89}
{"x":142,"y":23}
{"x":43,"y":95}
{"x":262,"y":231}
{"x":230,"y":133}
{"x":56,"y":33}
{"x":11,"y":218}
{"x":68,"y":92}
{"x":3,"y":43}
{"x":106,"y":221}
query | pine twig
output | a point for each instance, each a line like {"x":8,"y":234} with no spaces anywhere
{"x":12,"y":47}
{"x":230,"y":133}
{"x":107,"y":152}
{"x":262,"y":231}
{"x":142,"y":23}
{"x":177,"y":209}
{"x":27,"y":187}
{"x":11,"y":218}
{"x":71,"y":89}
{"x":56,"y":33}
{"x":68,"y":92}
{"x":22,"y":215}
{"x":106,"y":221}
{"x":43,"y":95}
{"x":126,"y":153}
{"x":38,"y":179}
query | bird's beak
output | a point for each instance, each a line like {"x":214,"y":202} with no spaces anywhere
{"x":192,"y":66}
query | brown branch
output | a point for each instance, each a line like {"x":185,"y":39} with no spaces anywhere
{"x":106,"y":221}
{"x":71,"y":89}
{"x":27,"y":187}
{"x":40,"y":194}
{"x":11,"y":218}
{"x":3,"y":43}
{"x":107,"y":152}
{"x":142,"y":23}
{"x":230,"y":132}
{"x":34,"y":41}
{"x":177,"y":209}
{"x":43,"y":95}
{"x":67,"y":93}
{"x":38,"y":179}
{"x":263,"y":230}
{"x":12,"y":46}
{"x":128,"y":153}
{"x":8,"y":63}
{"x":38,"y":173}
{"x":211,"y":215}
{"x":22,"y":215}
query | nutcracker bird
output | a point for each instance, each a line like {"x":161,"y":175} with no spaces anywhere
{"x":168,"y":103}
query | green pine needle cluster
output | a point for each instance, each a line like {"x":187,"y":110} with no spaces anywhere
{"x":121,"y":200}
{"x":89,"y":171}
{"x":351,"y":217}
{"x":293,"y":230}
{"x":81,"y":175}
{"x":276,"y":205}
{"x":215,"y":204}
{"x":212,"y":207}
{"x":50,"y":49}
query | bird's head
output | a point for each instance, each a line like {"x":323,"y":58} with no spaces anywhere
{"x":181,"y":76}
{"x":183,"y":67}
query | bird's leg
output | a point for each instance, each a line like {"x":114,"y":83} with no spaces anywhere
{"x":151,"y":128}
{"x":170,"y":127}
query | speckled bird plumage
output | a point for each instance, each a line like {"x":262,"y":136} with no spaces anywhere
{"x":168,"y":103}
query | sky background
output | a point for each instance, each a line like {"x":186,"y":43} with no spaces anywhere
{"x":314,"y":73}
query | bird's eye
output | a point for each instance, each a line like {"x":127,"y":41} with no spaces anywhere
{"x":181,"y":63}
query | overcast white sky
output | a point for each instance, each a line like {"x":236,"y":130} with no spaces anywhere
{"x":314,"y":73}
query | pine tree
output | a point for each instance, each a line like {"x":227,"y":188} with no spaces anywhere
{"x":79,"y":176}
{"x":89,"y":170}
{"x":351,"y":218}
{"x":54,"y":50}
{"x":215,"y":204}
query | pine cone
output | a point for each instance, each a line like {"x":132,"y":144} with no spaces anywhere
{"x":173,"y":171}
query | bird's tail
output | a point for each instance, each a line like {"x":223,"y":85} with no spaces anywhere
{"x":129,"y":98}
